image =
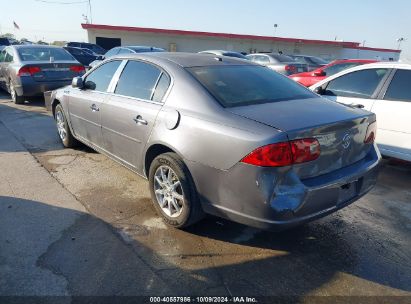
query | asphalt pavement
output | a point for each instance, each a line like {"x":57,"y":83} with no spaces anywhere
{"x":73,"y":222}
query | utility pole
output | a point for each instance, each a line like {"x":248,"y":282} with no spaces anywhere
{"x":275,"y":29}
{"x":400,"y":41}
{"x":91,"y":12}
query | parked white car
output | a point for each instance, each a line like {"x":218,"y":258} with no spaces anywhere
{"x":383,"y":88}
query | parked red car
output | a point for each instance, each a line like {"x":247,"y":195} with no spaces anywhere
{"x":310,"y":78}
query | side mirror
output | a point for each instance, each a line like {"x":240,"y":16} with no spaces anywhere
{"x":319,"y":73}
{"x":100,"y":57}
{"x":319,"y":90}
{"x":77,"y":83}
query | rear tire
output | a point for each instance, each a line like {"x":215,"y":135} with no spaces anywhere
{"x":173,"y":191}
{"x":63,"y":128}
{"x":14,"y":97}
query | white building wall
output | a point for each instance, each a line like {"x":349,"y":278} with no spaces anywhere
{"x":369,"y":54}
{"x":197,"y":44}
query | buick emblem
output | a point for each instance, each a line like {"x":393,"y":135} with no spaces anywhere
{"x":346,"y":142}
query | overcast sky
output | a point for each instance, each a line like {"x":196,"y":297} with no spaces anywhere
{"x":379,"y":22}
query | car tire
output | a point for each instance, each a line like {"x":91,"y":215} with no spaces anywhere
{"x":63,"y":128}
{"x":14,"y":97}
{"x":185,"y":195}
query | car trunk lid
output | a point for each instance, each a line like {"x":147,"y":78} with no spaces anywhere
{"x":340,"y":130}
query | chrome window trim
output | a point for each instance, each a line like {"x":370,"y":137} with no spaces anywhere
{"x":114,"y":80}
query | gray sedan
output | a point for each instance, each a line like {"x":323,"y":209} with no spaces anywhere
{"x":280,"y":63}
{"x":31,"y":70}
{"x":222,"y":136}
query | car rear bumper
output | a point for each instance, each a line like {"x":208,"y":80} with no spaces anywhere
{"x":29,"y":87}
{"x":275,"y":198}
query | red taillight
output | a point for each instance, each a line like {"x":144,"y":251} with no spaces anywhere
{"x":285,"y":153}
{"x":290,"y":68}
{"x":28,"y":71}
{"x":77,"y":68}
{"x":305,"y":150}
{"x":371,"y":133}
{"x":275,"y":155}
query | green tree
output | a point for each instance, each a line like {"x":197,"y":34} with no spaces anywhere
{"x":8,"y":35}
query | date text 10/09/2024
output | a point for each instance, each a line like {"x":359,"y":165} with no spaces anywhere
{"x":203,"y":300}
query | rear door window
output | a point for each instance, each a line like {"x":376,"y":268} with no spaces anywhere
{"x":138,"y":80}
{"x":399,"y":88}
{"x":161,"y":88}
{"x":360,"y":84}
{"x":100,"y":78}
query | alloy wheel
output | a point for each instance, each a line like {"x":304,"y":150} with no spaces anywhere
{"x":168,"y":191}
{"x":61,"y":128}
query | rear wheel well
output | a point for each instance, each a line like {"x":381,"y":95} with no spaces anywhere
{"x":152,"y":153}
{"x":54,"y":105}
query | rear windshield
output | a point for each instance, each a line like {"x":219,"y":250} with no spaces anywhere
{"x":235,"y":86}
{"x":235,"y":55}
{"x":43,"y":54}
{"x":317,"y":60}
{"x":283,"y":58}
{"x":146,"y":50}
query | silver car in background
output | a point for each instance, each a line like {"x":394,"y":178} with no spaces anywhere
{"x":123,"y":50}
{"x":31,"y":70}
{"x":222,"y":136}
{"x":225,"y":53}
{"x":280,"y":63}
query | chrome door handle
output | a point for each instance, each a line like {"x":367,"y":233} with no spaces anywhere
{"x":94,"y":108}
{"x":140,"y":121}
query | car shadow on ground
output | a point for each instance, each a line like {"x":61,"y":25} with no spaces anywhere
{"x":29,"y":125}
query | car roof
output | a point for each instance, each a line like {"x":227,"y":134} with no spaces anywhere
{"x":30,"y":46}
{"x":385,"y":64}
{"x":186,"y":59}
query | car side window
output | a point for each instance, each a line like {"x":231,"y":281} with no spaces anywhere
{"x":361,"y":84}
{"x":399,"y":88}
{"x":162,"y":87}
{"x":9,"y":56}
{"x":138,"y":80}
{"x":100,"y":78}
{"x":112,"y":52}
{"x":3,"y":56}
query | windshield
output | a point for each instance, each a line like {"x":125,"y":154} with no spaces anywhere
{"x":44,"y":54}
{"x":235,"y":86}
